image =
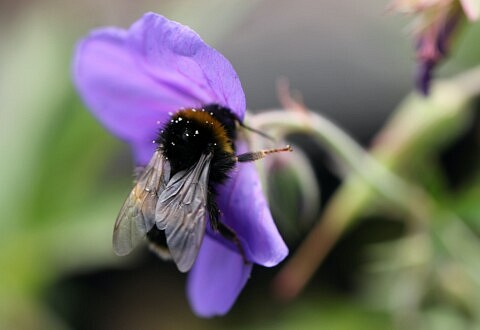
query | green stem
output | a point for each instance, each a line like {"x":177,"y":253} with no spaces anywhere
{"x":348,"y":152}
{"x":419,"y":125}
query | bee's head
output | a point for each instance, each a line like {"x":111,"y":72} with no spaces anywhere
{"x":193,"y":132}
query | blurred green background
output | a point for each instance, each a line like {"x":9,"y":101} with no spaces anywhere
{"x":63,"y":177}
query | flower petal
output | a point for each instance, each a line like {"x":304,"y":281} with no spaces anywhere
{"x":216,"y":279}
{"x":126,"y":100}
{"x":176,"y":53}
{"x":423,"y":76}
{"x":245,"y":210}
{"x":132,"y":79}
{"x":143,"y":151}
{"x":471,"y":9}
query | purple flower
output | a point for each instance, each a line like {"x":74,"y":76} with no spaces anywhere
{"x":432,"y":46}
{"x":131,"y":80}
{"x":433,"y":29}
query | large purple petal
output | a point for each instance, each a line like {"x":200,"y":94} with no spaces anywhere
{"x":176,"y":54}
{"x":216,"y":279}
{"x":127,"y":101}
{"x":244,"y":209}
{"x":132,"y":79}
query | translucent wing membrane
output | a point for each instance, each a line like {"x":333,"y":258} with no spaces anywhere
{"x":181,"y":212}
{"x":137,"y":215}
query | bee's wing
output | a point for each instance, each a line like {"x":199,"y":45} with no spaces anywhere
{"x":137,"y":215}
{"x":181,"y":212}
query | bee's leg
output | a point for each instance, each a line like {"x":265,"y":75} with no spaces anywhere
{"x":218,"y":227}
{"x":158,"y":243}
{"x":213,"y":211}
{"x":230,"y":234}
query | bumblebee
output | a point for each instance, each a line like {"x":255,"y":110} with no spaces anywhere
{"x":175,"y":192}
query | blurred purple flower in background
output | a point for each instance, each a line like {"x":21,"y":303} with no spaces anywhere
{"x":433,"y":28}
{"x":131,"y":80}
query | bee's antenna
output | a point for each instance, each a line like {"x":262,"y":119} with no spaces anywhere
{"x":257,"y":131}
{"x":256,"y":155}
